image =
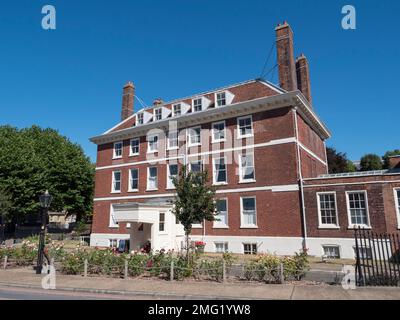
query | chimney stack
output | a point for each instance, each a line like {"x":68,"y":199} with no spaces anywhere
{"x":158,"y":102}
{"x":285,"y":54}
{"x":303,"y":77}
{"x":128,"y":97}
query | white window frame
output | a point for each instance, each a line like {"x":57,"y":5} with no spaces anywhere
{"x":116,"y":242}
{"x":320,"y":224}
{"x":193,"y":105}
{"x":213,"y":140}
{"x":130,"y":180}
{"x":197,"y":226}
{"x":148,"y":179}
{"x":165,"y":231}
{"x":241,"y":180}
{"x":112,"y":223}
{"x":332,"y":246}
{"x":239,"y":135}
{"x":215,"y":182}
{"x":351,"y":225}
{"x":115,"y":156}
{"x":216,"y":99}
{"x":251,"y":244}
{"x":155,"y":114}
{"x":113,"y":181}
{"x":140,"y":116}
{"x":180,"y":110}
{"x":170,"y":185}
{"x":149,"y":150}
{"x":225,"y":245}
{"x":198,"y":160}
{"x":131,"y":153}
{"x":177,"y":141}
{"x":248,"y":226}
{"x":219,"y":224}
{"x":189,"y":139}
{"x":397,"y":204}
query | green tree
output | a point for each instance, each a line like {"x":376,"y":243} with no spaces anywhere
{"x":5,"y":206}
{"x":33,"y":160}
{"x":338,"y":162}
{"x":370,"y":162}
{"x":194,"y":200}
{"x":388,"y":154}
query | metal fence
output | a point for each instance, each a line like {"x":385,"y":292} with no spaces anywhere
{"x":377,"y":258}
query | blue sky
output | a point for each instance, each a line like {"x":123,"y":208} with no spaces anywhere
{"x":71,"y":78}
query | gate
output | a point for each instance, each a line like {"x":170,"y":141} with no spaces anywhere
{"x":377,"y":258}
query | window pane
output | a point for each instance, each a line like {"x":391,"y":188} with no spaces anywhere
{"x":134,"y":179}
{"x":247,"y":167}
{"x":358,"y":211}
{"x":328,"y":209}
{"x":135,"y":146}
{"x":195,"y":166}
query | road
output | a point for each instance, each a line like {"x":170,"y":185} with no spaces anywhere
{"x":12,"y":293}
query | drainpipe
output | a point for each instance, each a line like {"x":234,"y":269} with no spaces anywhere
{"x":300,"y":176}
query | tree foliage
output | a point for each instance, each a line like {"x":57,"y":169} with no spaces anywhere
{"x":194,"y":200}
{"x":370,"y":162}
{"x":5,"y":206}
{"x":33,"y":160}
{"x":388,"y":154}
{"x":338,"y":162}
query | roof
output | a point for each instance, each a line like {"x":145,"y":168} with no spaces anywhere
{"x":357,"y":174}
{"x":275,"y":93}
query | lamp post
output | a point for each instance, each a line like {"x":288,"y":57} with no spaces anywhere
{"x":45,"y":201}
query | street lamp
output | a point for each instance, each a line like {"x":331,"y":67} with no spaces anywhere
{"x":45,"y":201}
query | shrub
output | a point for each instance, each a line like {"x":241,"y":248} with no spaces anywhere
{"x":137,"y":264}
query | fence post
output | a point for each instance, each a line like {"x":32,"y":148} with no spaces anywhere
{"x":126,"y":269}
{"x":85,"y":268}
{"x":223,"y":270}
{"x":281,"y":274}
{"x":171,"y":276}
{"x":5,"y":262}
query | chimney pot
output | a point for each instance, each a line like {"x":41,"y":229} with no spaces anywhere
{"x":158,"y":102}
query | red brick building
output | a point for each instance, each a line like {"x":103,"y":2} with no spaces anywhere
{"x":264,"y":147}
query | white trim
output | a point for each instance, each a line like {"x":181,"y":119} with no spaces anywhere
{"x":397,"y":204}
{"x":241,"y":180}
{"x":212,"y":132}
{"x":169,"y":148}
{"x":170,"y":184}
{"x":282,"y":188}
{"x":350,"y":224}
{"x":130,"y":180}
{"x":312,"y":153}
{"x":148,"y":179}
{"x":349,"y":183}
{"x":131,"y":154}
{"x":320,"y":224}
{"x":189,"y":140}
{"x":218,"y":224}
{"x":111,"y":220}
{"x":239,"y":135}
{"x":122,"y":150}
{"x":248,"y":226}
{"x":218,"y":183}
{"x":113,"y":190}
{"x":254,"y":146}
{"x":149,"y":140}
{"x":154,"y":113}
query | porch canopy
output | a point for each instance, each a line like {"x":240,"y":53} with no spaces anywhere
{"x":140,"y":212}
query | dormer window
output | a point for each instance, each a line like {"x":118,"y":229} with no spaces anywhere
{"x":177,"y":109}
{"x":158,"y":114}
{"x":140,"y":118}
{"x":221,"y":99}
{"x":197,"y":105}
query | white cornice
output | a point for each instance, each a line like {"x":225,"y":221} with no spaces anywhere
{"x":289,"y":99}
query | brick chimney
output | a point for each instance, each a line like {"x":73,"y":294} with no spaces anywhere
{"x":158,"y":102}
{"x":128,"y":97}
{"x":303,"y":77}
{"x":394,"y":162}
{"x":285,"y":55}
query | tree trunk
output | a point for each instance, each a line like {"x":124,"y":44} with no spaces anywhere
{"x":187,"y":248}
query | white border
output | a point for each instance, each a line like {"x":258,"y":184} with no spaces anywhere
{"x":122,"y":150}
{"x":397,"y":204}
{"x":248,"y":226}
{"x":320,"y":224}
{"x":148,"y":180}
{"x":218,"y":224}
{"x":189,"y":142}
{"x":130,"y":180}
{"x":241,"y":180}
{"x":113,"y":181}
{"x":351,"y":225}
{"x":131,"y":154}
{"x":239,"y":136}
{"x":212,"y":132}
{"x":220,"y":183}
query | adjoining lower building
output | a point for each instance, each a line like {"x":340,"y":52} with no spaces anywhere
{"x":264,"y":147}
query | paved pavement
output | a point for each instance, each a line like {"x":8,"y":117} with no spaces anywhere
{"x":151,"y":289}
